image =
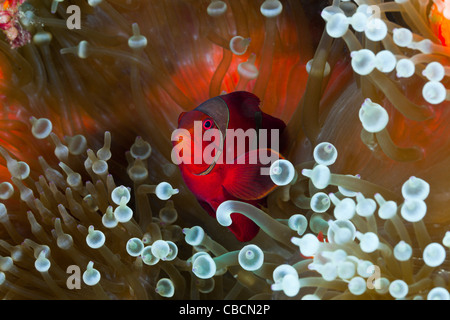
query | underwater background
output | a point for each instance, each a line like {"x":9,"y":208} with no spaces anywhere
{"x":92,"y":206}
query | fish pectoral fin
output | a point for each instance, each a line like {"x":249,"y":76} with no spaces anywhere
{"x":248,"y":178}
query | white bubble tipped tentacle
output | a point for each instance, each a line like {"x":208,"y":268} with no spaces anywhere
{"x":282,"y":172}
{"x":328,"y":270}
{"x":398,"y":289}
{"x":330,"y":11}
{"x":271,"y":8}
{"x":6,"y":190}
{"x":403,"y":251}
{"x":376,"y":29}
{"x":347,"y":192}
{"x":140,"y":149}
{"x":326,"y":72}
{"x":120,"y":192}
{"x":91,"y":276}
{"x":168,"y":214}
{"x":413,"y":210}
{"x":402,"y":37}
{"x":325,"y":154}
{"x":346,"y":269}
{"x":160,"y":249}
{"x":194,"y":236}
{"x":165,"y":288}
{"x":446,"y":240}
{"x":42,"y":264}
{"x":337,"y":25}
{"x":173,"y":251}
{"x":317,"y":223}
{"x":388,"y":209}
{"x":298,"y":223}
{"x":74,"y":179}
{"x":341,"y":231}
{"x":320,"y":176}
{"x":251,"y":257}
{"x":94,"y":3}
{"x":239,"y":45}
{"x":369,"y":241}
{"x":18,"y":169}
{"x":104,"y":153}
{"x":95,"y":238}
{"x":415,"y":188}
{"x":405,"y":68}
{"x":123,"y":213}
{"x":109,"y":219}
{"x":434,"y":71}
{"x":373,"y":116}
{"x":216,"y":8}
{"x":204,"y":266}
{"x":357,"y":286}
{"x":363,"y":61}
{"x":320,"y":202}
{"x":308,"y":244}
{"x":434,"y":254}
{"x":385,"y":61}
{"x":247,"y":70}
{"x":137,"y":41}
{"x":438,"y":293}
{"x":164,"y":191}
{"x":344,"y":209}
{"x":134,"y":247}
{"x":147,"y":256}
{"x":365,"y":207}
{"x":434,"y":92}
{"x":77,"y":144}
{"x":41,"y":128}
{"x":358,"y":21}
{"x":286,"y":280}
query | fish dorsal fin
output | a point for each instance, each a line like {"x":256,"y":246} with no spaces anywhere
{"x":245,"y":181}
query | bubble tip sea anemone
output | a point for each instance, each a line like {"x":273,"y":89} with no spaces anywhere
{"x":85,"y":208}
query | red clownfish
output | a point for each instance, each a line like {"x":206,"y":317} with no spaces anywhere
{"x":221,"y":148}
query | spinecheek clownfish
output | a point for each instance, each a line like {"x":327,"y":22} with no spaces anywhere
{"x":233,"y":168}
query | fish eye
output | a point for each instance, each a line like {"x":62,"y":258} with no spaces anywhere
{"x":207,"y":124}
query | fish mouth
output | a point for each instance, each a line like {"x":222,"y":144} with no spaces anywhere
{"x":211,"y":166}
